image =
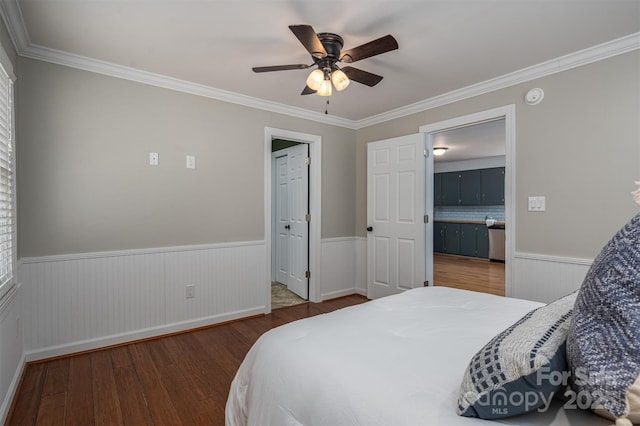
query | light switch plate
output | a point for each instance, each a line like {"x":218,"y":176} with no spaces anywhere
{"x":537,"y":204}
{"x":191,"y":161}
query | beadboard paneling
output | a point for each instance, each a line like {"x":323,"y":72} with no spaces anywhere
{"x":79,"y":302}
{"x":11,"y":356}
{"x":546,"y":278}
{"x":361,"y":265}
{"x":227,"y":280}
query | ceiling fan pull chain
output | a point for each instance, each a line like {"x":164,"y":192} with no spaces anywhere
{"x":326,"y":109}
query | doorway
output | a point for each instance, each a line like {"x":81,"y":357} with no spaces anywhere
{"x":458,"y":268}
{"x":313,"y":221}
{"x":290,"y":228}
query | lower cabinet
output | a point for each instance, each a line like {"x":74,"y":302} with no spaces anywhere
{"x":465,"y":239}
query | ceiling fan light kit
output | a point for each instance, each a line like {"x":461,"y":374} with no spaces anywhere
{"x":325,"y":50}
{"x":315,"y":79}
{"x":325,"y":88}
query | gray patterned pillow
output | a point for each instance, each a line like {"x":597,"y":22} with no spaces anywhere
{"x":521,"y":368}
{"x":603,"y":346}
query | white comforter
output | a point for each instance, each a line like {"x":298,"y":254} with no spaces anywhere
{"x":397,"y":360}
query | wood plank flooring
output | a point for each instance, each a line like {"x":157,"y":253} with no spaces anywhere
{"x":182,"y":379}
{"x":468,"y":273}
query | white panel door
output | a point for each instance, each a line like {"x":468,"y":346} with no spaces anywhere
{"x":298,"y":190}
{"x":282,"y":219}
{"x":395,"y":215}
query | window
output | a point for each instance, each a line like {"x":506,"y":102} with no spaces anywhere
{"x":7,"y":178}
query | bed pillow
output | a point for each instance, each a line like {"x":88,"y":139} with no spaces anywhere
{"x":521,"y":368}
{"x":603,"y":346}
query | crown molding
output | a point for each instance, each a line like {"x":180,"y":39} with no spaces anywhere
{"x":563,"y":63}
{"x":12,"y":17}
{"x":42,"y":53}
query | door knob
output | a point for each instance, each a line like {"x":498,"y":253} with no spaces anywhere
{"x":369,"y":228}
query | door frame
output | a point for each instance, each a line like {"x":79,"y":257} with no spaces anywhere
{"x":508,"y":113}
{"x":315,"y":207}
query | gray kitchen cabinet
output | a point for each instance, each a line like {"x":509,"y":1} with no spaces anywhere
{"x":492,"y":186}
{"x":437,"y":189}
{"x":470,"y":187}
{"x":452,"y":238}
{"x":450,"y":188}
{"x":482,"y":242}
{"x":463,"y":239}
{"x":468,"y":239}
{"x":481,"y":187}
{"x":438,"y":237}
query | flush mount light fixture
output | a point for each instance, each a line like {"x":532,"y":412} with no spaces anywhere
{"x":439,"y":150}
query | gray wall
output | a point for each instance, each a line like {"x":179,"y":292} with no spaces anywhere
{"x":85,"y":184}
{"x":580,"y":148}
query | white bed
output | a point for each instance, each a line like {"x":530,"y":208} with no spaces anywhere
{"x":398,"y":360}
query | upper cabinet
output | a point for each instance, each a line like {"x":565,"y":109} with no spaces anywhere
{"x":469,"y":188}
{"x":450,"y":189}
{"x":492,"y":186}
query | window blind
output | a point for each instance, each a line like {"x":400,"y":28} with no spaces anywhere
{"x":7,"y":183}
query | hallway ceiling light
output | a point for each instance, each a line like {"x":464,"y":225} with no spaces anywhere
{"x":439,"y":150}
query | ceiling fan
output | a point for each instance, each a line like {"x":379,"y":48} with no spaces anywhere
{"x":325,"y":50}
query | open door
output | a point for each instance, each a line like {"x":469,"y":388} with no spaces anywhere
{"x":281,"y":227}
{"x":298,"y":248}
{"x":396,"y":211}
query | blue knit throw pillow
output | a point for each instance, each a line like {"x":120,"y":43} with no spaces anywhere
{"x":603,"y":346}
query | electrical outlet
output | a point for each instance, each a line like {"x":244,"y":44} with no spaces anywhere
{"x":17,"y":327}
{"x":191,"y":291}
{"x":191,"y":161}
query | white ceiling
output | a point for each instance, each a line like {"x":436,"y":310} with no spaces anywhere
{"x":470,"y":142}
{"x":444,"y":45}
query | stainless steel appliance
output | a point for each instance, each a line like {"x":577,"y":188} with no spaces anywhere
{"x":496,"y":242}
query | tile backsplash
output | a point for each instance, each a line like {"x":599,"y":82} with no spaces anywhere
{"x":468,"y":213}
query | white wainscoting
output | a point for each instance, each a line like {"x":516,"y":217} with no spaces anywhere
{"x":12,"y":359}
{"x":361,"y":265}
{"x":546,"y":278}
{"x":339,"y":264}
{"x":80,"y":302}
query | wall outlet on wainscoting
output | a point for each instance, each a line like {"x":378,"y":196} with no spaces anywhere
{"x":191,"y":291}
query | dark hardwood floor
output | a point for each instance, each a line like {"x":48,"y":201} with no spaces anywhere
{"x":469,"y":273}
{"x":181,"y":379}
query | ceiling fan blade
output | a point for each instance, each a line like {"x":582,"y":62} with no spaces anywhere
{"x":307,"y":36}
{"x":281,"y":68}
{"x":367,"y":50}
{"x":363,"y":77}
{"x":307,"y":90}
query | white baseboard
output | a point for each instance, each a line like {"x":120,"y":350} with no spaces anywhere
{"x":106,"y":341}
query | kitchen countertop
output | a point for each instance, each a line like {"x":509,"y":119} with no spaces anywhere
{"x":472,"y":222}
